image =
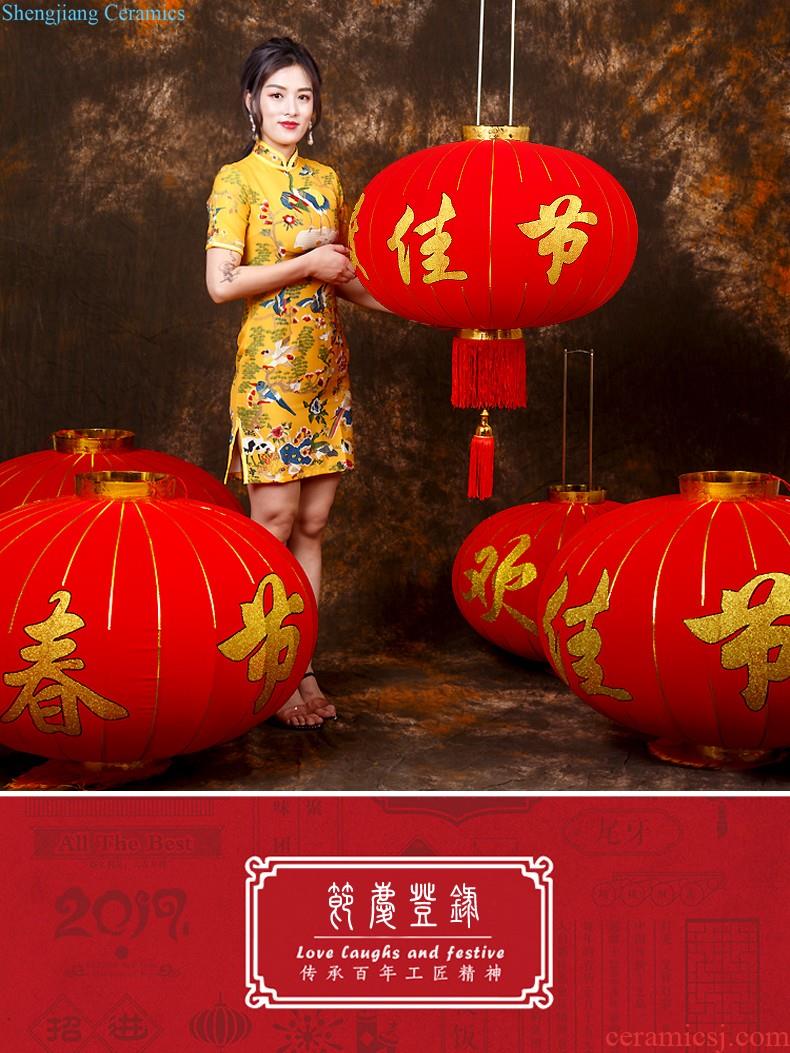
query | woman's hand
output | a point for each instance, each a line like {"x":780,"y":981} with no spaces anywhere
{"x":329,"y":263}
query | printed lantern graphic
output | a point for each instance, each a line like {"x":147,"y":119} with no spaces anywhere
{"x":500,"y":567}
{"x":138,"y":625}
{"x":672,"y":616}
{"x":490,"y":236}
{"x":52,"y":473}
{"x":220,"y":1027}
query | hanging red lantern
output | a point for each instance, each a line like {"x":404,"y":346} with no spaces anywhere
{"x":490,"y":236}
{"x":52,"y":473}
{"x":500,"y":567}
{"x":137,"y":625}
{"x":672,"y":616}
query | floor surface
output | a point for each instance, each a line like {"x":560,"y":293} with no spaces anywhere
{"x":471,"y":718}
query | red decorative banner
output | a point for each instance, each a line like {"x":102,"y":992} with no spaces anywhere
{"x":125,"y":923}
{"x":384,"y":932}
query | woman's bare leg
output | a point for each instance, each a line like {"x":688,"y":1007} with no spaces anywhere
{"x":276,"y":506}
{"x":307,"y":533}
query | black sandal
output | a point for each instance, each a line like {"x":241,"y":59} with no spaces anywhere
{"x":305,"y":677}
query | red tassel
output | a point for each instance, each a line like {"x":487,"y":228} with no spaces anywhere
{"x":481,"y":461}
{"x":489,"y":372}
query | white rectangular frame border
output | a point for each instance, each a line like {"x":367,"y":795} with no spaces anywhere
{"x":536,"y":869}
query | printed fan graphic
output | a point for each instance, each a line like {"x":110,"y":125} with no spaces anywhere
{"x":310,"y":1033}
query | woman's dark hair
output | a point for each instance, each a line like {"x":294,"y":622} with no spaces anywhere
{"x":264,"y":60}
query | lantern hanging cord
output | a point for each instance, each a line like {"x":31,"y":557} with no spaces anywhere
{"x":480,"y":55}
{"x":590,"y":357}
{"x":481,"y":35}
{"x":512,"y":57}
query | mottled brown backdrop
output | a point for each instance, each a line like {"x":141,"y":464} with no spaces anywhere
{"x":111,"y":136}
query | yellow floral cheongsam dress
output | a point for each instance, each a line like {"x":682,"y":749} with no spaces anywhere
{"x":290,"y":403}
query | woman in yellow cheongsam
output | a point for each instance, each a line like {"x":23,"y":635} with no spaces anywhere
{"x":275,"y":240}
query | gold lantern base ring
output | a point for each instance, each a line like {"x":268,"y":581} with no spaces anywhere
{"x":84,"y":775}
{"x":715,"y":758}
{"x":490,"y":334}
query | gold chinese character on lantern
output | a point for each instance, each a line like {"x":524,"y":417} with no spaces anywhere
{"x":585,"y":645}
{"x":48,"y":679}
{"x":749,"y":634}
{"x":434,"y":248}
{"x":558,"y":238}
{"x":353,"y":230}
{"x":553,"y":608}
{"x":509,"y":576}
{"x":395,"y":243}
{"x":269,"y":645}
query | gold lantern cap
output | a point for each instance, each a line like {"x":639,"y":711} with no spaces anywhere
{"x":575,"y":494}
{"x":514,"y":132}
{"x":91,"y":440}
{"x":728,"y":486}
{"x":124,"y":486}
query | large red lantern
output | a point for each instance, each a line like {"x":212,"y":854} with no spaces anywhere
{"x":136,"y":625}
{"x":501,"y":565}
{"x":489,"y":236}
{"x":52,"y":473}
{"x":672,"y":616}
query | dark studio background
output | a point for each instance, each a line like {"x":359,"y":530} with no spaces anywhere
{"x":111,"y":136}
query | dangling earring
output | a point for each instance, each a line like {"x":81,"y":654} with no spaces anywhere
{"x":252,"y":124}
{"x":310,"y":135}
